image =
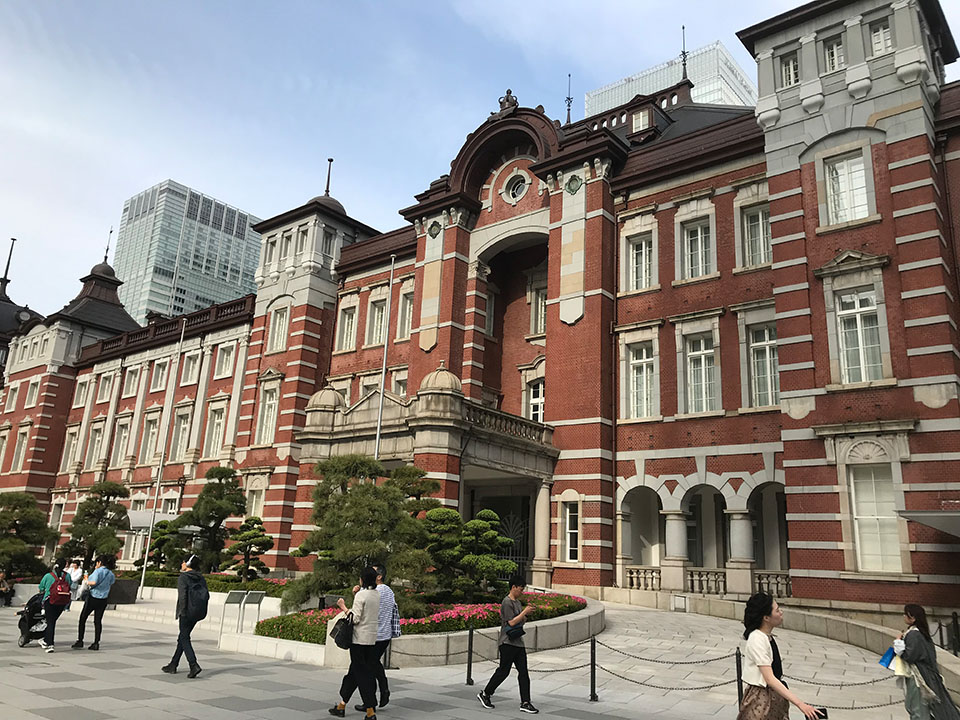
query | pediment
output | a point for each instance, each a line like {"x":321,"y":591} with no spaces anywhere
{"x":371,"y":402}
{"x":270,"y":374}
{"x":851,"y":261}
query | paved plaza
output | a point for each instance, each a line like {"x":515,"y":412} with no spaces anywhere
{"x":123,"y":679}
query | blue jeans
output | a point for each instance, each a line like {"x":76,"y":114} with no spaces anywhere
{"x":184,"y":646}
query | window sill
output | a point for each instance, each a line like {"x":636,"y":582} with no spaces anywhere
{"x":161,"y":389}
{"x":371,"y":346}
{"x":850,"y":224}
{"x":223,"y":377}
{"x":707,"y":414}
{"x":535,"y":336}
{"x":747,"y":269}
{"x":762,"y":409}
{"x":639,"y":291}
{"x":572,"y":565}
{"x":831,"y":73}
{"x":640,"y":421}
{"x":880,"y":577}
{"x":261,"y":446}
{"x":277,"y":351}
{"x":343,"y":352}
{"x":188,"y":383}
{"x":398,"y":341}
{"x":693,"y":281}
{"x":885,"y":383}
{"x":128,"y":396}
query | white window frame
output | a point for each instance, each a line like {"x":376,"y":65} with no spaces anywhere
{"x":405,"y":314}
{"x":279,"y":329}
{"x":489,"y":326}
{"x":861,"y":310}
{"x":688,"y":327}
{"x":376,"y":322}
{"x":628,"y":338}
{"x":642,"y":392}
{"x":860,"y":143}
{"x":267,"y":412}
{"x":701,"y":373}
{"x":269,"y":250}
{"x":191,"y":368}
{"x":303,"y":236}
{"x":698,"y":247}
{"x":167,"y":509}
{"x":369,"y":383}
{"x":104,"y":388}
{"x":94,"y":447}
{"x":347,"y":325}
{"x":538,"y":310}
{"x":80,"y":393}
{"x":694,"y":213}
{"x":149,"y":439}
{"x":342,"y":386}
{"x":399,"y":378}
{"x":120,"y":445}
{"x":767,"y":350}
{"x":20,"y":449}
{"x":834,"y":54}
{"x":224,"y":368}
{"x":750,"y":315}
{"x":32,"y":395}
{"x":329,"y":242}
{"x":749,"y":198}
{"x":641,"y":261}
{"x":861,"y":522}
{"x":571,"y":532}
{"x":846,"y":188}
{"x":13,"y":395}
{"x":131,"y":379}
{"x":69,"y":448}
{"x":536,"y":396}
{"x":789,"y":69}
{"x":212,"y":445}
{"x":881,"y":37}
{"x":180,"y":438}
{"x":158,"y":377}
{"x":256,"y":501}
{"x":764,"y":254}
{"x":640,"y":120}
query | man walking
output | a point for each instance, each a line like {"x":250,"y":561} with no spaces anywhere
{"x":388,"y":627}
{"x":512,"y":650}
{"x":193,"y":597}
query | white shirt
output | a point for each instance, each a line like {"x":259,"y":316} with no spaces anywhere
{"x":756,"y":653}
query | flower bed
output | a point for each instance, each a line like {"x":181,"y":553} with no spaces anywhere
{"x":311,"y":626}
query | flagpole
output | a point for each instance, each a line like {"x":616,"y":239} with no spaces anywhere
{"x":383,"y":367}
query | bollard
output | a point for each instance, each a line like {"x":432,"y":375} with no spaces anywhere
{"x":593,"y":670}
{"x":956,"y":635}
{"x":739,"y":678}
{"x":470,"y":655}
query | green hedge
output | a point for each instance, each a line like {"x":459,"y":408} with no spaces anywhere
{"x":311,"y":626}
{"x":215,"y":582}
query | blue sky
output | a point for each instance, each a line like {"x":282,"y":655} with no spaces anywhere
{"x":244,"y":100}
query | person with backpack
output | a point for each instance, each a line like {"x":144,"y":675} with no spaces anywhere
{"x":99,"y":584}
{"x":512,"y":651}
{"x":192,"y":601}
{"x":55,"y":586}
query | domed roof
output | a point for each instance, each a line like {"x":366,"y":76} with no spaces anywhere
{"x":441,"y":379}
{"x":103,"y":269}
{"x":326,"y":398}
{"x":330,"y":202}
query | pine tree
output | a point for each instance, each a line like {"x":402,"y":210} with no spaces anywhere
{"x":23,"y":528}
{"x":167,"y":547}
{"x":417,"y":488}
{"x":95,"y":526}
{"x":220,"y":499}
{"x":249,"y":542}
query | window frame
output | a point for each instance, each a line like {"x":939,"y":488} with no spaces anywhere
{"x":255,"y":497}
{"x":843,"y":204}
{"x":571,"y":535}
{"x":266,"y":429}
{"x":858,"y":313}
{"x":376,"y":333}
{"x":405,"y":314}
{"x":707,"y":372}
{"x":121,"y":423}
{"x":862,"y":144}
{"x":766,"y":251}
{"x":208,"y":451}
{"x":177,"y":452}
{"x":648,"y":365}
{"x":32,"y":396}
{"x":856,"y":518}
{"x":158,"y":377}
{"x":130,"y":372}
{"x":789,"y":61}
{"x":278,"y":336}
{"x":769,"y":347}
{"x":80,"y":391}
{"x":535,"y":404}
{"x":538,"y":310}
{"x":104,"y":387}
{"x":195,"y":358}
{"x":889,"y":41}
{"x":834,"y":61}
{"x":92,"y":458}
{"x":146,"y":440}
{"x":20,"y":450}
{"x":12,"y":398}
{"x":218,"y":372}
{"x":346,"y":343}
{"x":70,"y":438}
{"x":695,"y":212}
{"x":647,"y":265}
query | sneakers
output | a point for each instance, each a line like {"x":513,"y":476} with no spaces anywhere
{"x":194,"y":670}
{"x":485,"y":700}
{"x":77,"y":645}
{"x":360,"y":708}
{"x":528,"y":707}
{"x":46,"y":648}
{"x":170,"y":669}
{"x":94,"y":646}
{"x":338,"y":711}
{"x":384,"y":699}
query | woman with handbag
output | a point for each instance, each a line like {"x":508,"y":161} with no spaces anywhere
{"x":363,"y":646}
{"x":512,"y":651}
{"x":925,"y":694}
{"x":766,"y":696}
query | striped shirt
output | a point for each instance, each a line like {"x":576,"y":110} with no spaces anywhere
{"x":388,"y":621}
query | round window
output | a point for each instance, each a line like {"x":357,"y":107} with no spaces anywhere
{"x":516,"y":188}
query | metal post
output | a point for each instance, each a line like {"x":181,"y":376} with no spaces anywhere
{"x":739,"y":678}
{"x":470,"y":655}
{"x":940,"y":633}
{"x":383,"y":367}
{"x":593,"y":670}
{"x":956,"y":635}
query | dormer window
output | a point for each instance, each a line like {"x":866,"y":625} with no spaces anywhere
{"x":641,"y":120}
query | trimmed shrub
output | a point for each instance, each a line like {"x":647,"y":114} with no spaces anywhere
{"x":216,"y":582}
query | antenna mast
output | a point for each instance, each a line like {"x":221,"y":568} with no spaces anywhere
{"x":106,"y":252}
{"x":329,"y":166}
{"x":683,"y":52}
{"x":6,"y":273}
{"x":569,"y":99}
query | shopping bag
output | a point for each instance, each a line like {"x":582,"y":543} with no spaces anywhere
{"x":888,"y":657}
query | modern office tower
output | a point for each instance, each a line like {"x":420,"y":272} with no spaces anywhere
{"x":715,"y":75}
{"x":179,"y":250}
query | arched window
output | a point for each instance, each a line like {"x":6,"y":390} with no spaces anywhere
{"x":535,"y":399}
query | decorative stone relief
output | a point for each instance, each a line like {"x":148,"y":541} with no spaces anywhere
{"x":935,"y":396}
{"x":799,"y":407}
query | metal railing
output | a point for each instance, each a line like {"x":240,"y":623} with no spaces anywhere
{"x":772,"y":582}
{"x":643,"y":577}
{"x":500,"y":422}
{"x":946,"y":635}
{"x":707,"y":581}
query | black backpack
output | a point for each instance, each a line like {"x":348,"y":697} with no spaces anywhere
{"x":198,"y":597}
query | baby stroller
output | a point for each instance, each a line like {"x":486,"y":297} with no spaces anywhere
{"x":32,"y":623}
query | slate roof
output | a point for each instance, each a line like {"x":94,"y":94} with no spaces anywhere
{"x":98,"y":304}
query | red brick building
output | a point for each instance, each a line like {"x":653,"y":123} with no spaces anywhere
{"x":677,"y":347}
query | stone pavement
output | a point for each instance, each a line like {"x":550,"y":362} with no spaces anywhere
{"x":123,"y":680}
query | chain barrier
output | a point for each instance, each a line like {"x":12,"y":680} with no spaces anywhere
{"x":823,"y":683}
{"x":861,"y":707}
{"x":665,"y":687}
{"x":666,"y":662}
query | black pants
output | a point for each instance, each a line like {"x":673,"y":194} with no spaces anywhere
{"x":511,"y":655}
{"x":97,"y":606}
{"x":362,"y":674}
{"x":184,"y":646}
{"x":51,"y":614}
{"x":381,"y":647}
{"x":7,"y":596}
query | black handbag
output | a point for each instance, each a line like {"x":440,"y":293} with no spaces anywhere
{"x":342,"y":632}
{"x":515,"y":632}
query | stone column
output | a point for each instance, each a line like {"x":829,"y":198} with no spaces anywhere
{"x":858,"y":74}
{"x":740,"y":564}
{"x":768,"y":106}
{"x":542,"y":567}
{"x":624,"y":547}
{"x":675,"y":561}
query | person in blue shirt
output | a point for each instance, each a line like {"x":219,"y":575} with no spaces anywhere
{"x":99,"y":583}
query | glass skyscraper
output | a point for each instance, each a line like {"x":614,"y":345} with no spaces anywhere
{"x":716,"y":78}
{"x":179,"y":250}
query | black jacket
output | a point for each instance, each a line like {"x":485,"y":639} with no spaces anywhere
{"x":192,"y":595}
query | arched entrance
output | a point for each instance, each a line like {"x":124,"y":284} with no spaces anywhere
{"x":768,"y":515}
{"x":708,"y":539}
{"x":641,"y":539}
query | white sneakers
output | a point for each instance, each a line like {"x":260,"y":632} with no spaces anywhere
{"x":47,"y":648}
